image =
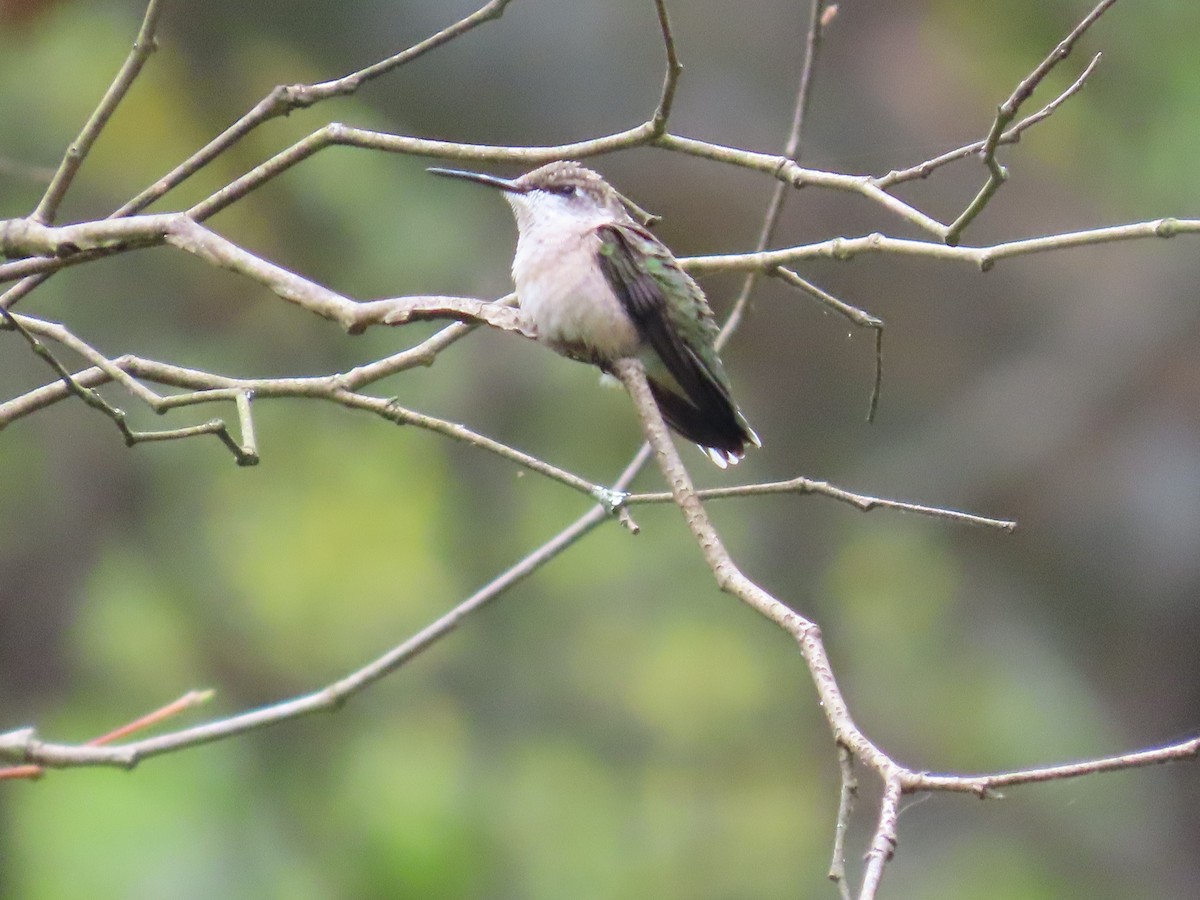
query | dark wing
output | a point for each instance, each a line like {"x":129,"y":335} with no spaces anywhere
{"x":682,"y":335}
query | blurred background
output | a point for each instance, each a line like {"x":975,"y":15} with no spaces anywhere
{"x":614,"y":727}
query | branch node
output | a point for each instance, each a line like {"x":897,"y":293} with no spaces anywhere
{"x":612,"y":501}
{"x":1167,"y":228}
{"x":626,"y":520}
{"x":16,"y":744}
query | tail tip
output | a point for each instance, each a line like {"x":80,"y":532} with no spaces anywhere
{"x":723,"y":458}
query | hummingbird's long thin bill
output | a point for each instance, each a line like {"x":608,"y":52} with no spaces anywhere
{"x":503,"y":184}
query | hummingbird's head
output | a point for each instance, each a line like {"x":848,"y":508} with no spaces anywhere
{"x":557,"y":194}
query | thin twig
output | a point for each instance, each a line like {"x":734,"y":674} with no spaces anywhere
{"x":76,"y":244}
{"x":24,"y":746}
{"x":48,"y":250}
{"x":391,"y":410}
{"x":982,"y":257}
{"x":279,"y":102}
{"x":249,"y":443}
{"x":987,"y":785}
{"x":201,"y":386}
{"x":859,"y":317}
{"x":209,"y":387}
{"x":883,"y":842}
{"x":284,"y":99}
{"x":862,"y":502}
{"x":1006,"y":112}
{"x":780,"y":190}
{"x":342,"y":388}
{"x":92,"y":398}
{"x":841,"y":828}
{"x":77,"y":152}
{"x":674,"y":68}
{"x":86,"y":394}
{"x":1011,"y":136}
{"x":190,"y":700}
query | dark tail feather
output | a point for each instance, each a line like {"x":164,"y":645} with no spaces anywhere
{"x":719,"y":429}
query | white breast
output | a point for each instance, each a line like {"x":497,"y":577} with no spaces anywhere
{"x":565,"y":294}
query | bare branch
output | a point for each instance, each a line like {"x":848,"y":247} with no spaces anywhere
{"x":143,"y":46}
{"x":987,"y":785}
{"x":1011,"y":136}
{"x":783,"y":168}
{"x":779,"y":192}
{"x":857,"y":316}
{"x":849,"y":794}
{"x":984,"y":256}
{"x":27,"y":237}
{"x":281,"y":101}
{"x":203,"y":386}
{"x":342,"y":388}
{"x":392,"y":411}
{"x":674,"y":68}
{"x":1007,"y":112}
{"x":808,"y":486}
{"x":42,"y":250}
{"x":28,"y":327}
{"x":24,"y":747}
{"x":70,"y":384}
{"x":729,"y":577}
{"x":207,"y":387}
{"x":336,"y":134}
{"x":190,"y":700}
{"x":285,"y":98}
{"x":883,"y":843}
{"x":215,"y":427}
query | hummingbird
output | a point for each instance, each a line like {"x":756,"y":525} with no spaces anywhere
{"x":598,"y":287}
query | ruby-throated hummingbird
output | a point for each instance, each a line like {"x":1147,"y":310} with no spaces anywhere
{"x":599,"y":287}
